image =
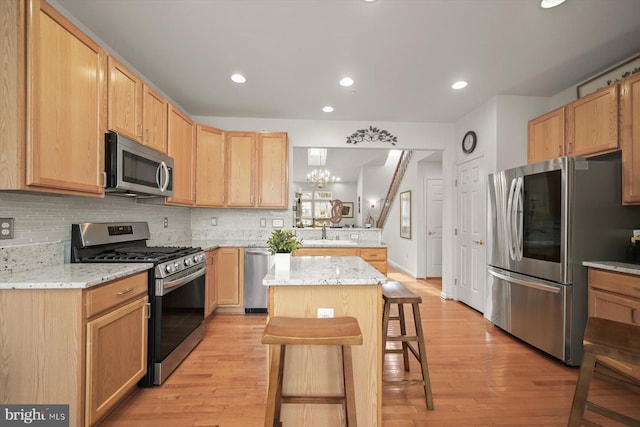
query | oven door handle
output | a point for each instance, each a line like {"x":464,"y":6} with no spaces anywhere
{"x":174,"y":284}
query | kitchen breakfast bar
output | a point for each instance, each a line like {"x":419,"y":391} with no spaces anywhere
{"x":350,"y":287}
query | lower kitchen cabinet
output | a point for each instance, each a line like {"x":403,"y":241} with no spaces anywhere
{"x":211,"y":288}
{"x":230,"y":269}
{"x":83,"y":347}
{"x":615,"y":296}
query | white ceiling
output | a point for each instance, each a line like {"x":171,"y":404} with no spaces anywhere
{"x":403,"y":54}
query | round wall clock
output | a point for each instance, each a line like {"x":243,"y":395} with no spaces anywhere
{"x":469,"y":142}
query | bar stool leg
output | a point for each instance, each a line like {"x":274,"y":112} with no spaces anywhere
{"x":385,"y":325}
{"x":582,"y":389}
{"x":423,"y":356}
{"x":274,"y":394}
{"x":403,"y":332}
{"x":349,"y":388}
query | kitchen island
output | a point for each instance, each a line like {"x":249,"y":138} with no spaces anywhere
{"x":350,"y":287}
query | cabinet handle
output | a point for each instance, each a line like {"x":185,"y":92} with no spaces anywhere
{"x":148,"y":135}
{"x":126,"y":291}
{"x":570,"y":147}
{"x":140,"y":131}
{"x":559,"y":151}
{"x":636,"y":289}
{"x":147,"y":314}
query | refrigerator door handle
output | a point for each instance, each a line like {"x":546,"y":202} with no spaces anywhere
{"x":540,"y":286}
{"x":509,"y":218}
{"x":518,"y":218}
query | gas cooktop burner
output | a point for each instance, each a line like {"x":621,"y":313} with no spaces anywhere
{"x":142,"y":253}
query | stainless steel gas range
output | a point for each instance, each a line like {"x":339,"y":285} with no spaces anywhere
{"x":176,"y":287}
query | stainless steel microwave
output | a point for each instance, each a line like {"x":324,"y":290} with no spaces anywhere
{"x":136,"y":170}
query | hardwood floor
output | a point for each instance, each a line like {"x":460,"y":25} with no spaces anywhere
{"x":480,"y":376}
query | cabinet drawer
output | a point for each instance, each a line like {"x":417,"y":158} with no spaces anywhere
{"x":373,"y":254}
{"x":621,"y":283}
{"x":102,"y":298}
{"x":614,"y":307}
{"x":381,"y":266}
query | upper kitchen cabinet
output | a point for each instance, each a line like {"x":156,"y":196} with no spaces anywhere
{"x":630,"y":139}
{"x":181,"y":146}
{"x":241,"y":147}
{"x":546,"y":136}
{"x":258,"y":169}
{"x":273,"y":161}
{"x":61,"y":101}
{"x":135,"y":109}
{"x":154,"y":119}
{"x":125,"y":101}
{"x":592,"y":123}
{"x":210,"y":167}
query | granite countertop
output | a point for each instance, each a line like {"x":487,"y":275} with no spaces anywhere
{"x":214,"y":244}
{"x":70,"y":276}
{"x":315,"y":270}
{"x":620,"y":267}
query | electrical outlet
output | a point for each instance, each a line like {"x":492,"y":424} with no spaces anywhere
{"x":263,"y":222}
{"x":325,"y":312}
{"x":214,"y":221}
{"x":166,"y":222}
{"x":6,"y":228}
{"x":277,"y":223}
{"x":354,"y":236}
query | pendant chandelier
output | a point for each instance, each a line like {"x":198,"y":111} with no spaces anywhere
{"x":321,"y":177}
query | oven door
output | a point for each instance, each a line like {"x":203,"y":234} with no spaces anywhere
{"x":178,"y":319}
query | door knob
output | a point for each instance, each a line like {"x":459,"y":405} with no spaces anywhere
{"x":480,"y":242}
{"x":429,"y":233}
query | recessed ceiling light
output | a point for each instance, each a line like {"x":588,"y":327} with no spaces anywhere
{"x":238,"y":78}
{"x":368,"y":1}
{"x":460,"y":84}
{"x":548,"y":4}
{"x":327,"y":109}
{"x":346,"y":81}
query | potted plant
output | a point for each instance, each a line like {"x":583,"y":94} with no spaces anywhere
{"x":281,"y":244}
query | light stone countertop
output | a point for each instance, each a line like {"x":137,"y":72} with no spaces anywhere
{"x":316,"y":270}
{"x":620,"y":267}
{"x":214,"y":244}
{"x":70,"y":276}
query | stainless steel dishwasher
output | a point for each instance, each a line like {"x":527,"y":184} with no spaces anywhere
{"x":257,"y":262}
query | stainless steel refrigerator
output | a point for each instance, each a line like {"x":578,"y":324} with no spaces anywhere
{"x":544,"y":220}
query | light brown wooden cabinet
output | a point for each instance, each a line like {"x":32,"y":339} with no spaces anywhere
{"x":615,"y":296}
{"x":181,"y":146}
{"x":546,"y":136}
{"x":211,"y":288}
{"x":585,"y":127}
{"x":90,"y":357}
{"x":124,"y":101}
{"x":210,"y":167}
{"x":230,"y":275}
{"x":65,"y":86}
{"x":257,"y":169}
{"x":592,"y":123}
{"x":154,"y":119}
{"x":376,"y":257}
{"x":630,"y":139}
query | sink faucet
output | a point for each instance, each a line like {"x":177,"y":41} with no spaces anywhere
{"x":324,"y":231}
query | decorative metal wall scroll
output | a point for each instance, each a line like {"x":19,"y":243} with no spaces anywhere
{"x":372,"y":135}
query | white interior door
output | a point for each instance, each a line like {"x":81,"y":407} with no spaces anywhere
{"x":471,"y":230}
{"x":434,"y":199}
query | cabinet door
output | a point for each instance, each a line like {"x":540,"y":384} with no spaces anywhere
{"x":211,"y":291}
{"x":546,"y":136}
{"x":116,"y":356}
{"x":154,"y":119}
{"x":273,"y":168}
{"x":124,"y":101}
{"x":241,"y":173}
{"x":66,"y":104}
{"x":210,"y":167}
{"x":181,"y":146}
{"x":592,"y":123}
{"x":630,"y":139}
{"x":228,"y":265}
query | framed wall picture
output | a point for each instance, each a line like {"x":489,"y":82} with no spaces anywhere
{"x":405,"y":215}
{"x":322,"y":195}
{"x":347,"y":209}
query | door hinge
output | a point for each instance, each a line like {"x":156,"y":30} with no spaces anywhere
{"x":455,"y":231}
{"x":455,"y":282}
{"x":456,"y":182}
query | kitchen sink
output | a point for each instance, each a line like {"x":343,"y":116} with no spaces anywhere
{"x":328,"y":242}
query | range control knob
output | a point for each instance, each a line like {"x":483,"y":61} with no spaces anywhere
{"x":198,"y":258}
{"x":170,"y":268}
{"x":177,"y":266}
{"x":188,"y":262}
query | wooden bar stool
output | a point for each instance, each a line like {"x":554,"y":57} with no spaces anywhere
{"x":605,"y":341}
{"x":397,"y":293}
{"x":284,"y":331}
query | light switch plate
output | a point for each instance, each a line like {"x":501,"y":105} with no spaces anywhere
{"x":277,"y":223}
{"x":263,"y":222}
{"x":354,"y":236}
{"x":6,"y":228}
{"x":214,"y":221}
